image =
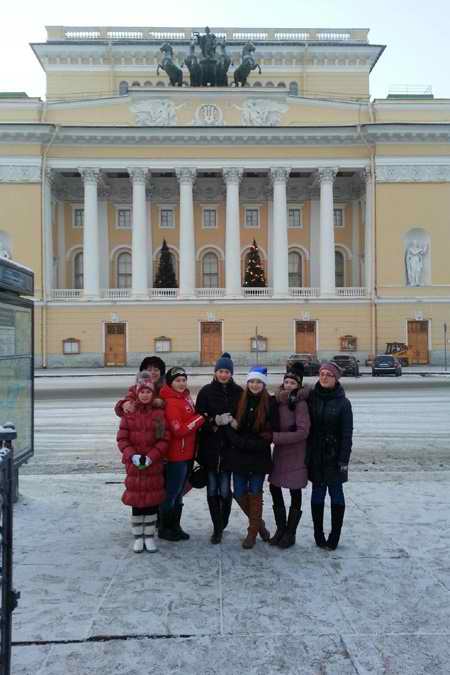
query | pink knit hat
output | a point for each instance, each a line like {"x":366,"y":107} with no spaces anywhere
{"x":332,"y":368}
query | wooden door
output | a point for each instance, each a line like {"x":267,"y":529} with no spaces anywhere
{"x":418,"y":341}
{"x":211,"y":342}
{"x":115,"y":344}
{"x":305,"y":337}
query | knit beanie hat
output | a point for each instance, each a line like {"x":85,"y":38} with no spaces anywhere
{"x":145,"y":385}
{"x":224,"y":362}
{"x":257,"y":373}
{"x":143,"y":376}
{"x":174,"y":372}
{"x":332,"y":368}
{"x":295,"y":371}
{"x":154,"y":361}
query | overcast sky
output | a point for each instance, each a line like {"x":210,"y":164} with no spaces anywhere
{"x":415,"y":32}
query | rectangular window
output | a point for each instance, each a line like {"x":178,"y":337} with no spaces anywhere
{"x":71,"y":346}
{"x":209,"y":218}
{"x":295,"y":217}
{"x":124,"y":219}
{"x":167,"y":220}
{"x":338,"y":215}
{"x":78,"y":217}
{"x":251,"y":217}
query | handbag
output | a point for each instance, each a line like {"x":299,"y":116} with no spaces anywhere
{"x":199,"y":477}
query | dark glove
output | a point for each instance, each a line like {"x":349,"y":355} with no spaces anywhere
{"x":293,"y":427}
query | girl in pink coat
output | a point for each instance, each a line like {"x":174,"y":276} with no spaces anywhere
{"x":143,"y":441}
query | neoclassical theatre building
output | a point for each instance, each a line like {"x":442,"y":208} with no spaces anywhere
{"x":210,"y":140}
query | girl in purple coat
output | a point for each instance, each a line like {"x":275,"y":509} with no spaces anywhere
{"x":289,"y":470}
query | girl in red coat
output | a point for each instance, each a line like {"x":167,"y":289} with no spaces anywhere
{"x":143,"y":441}
{"x":182,"y":422}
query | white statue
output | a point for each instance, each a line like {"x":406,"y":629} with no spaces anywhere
{"x":414,"y":259}
{"x":262,"y":113}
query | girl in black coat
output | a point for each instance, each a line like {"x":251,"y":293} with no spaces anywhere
{"x":218,"y":402}
{"x":249,"y":457}
{"x":328,"y":451}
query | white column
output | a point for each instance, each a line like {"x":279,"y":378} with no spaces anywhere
{"x":91,"y":274}
{"x":103,"y":241}
{"x":47,"y":272}
{"x":269,"y":197}
{"x":327,"y":264}
{"x":148,"y":216}
{"x":139,"y":256}
{"x":232,"y":178}
{"x":314,"y":253}
{"x":280,"y":233}
{"x":187,"y":233}
{"x":356,"y":209}
{"x":61,"y":246}
{"x":368,"y":234}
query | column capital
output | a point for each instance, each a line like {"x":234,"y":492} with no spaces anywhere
{"x":327,"y":174}
{"x":138,"y":174}
{"x":232,"y":175}
{"x":186,"y":175}
{"x":280,"y":174}
{"x":90,"y":175}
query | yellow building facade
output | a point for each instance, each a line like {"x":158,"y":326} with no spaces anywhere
{"x":347,"y":198}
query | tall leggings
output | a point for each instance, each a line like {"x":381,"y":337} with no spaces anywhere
{"x":277,"y":496}
{"x":335,"y":490}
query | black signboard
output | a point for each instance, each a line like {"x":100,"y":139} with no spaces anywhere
{"x":15,"y":278}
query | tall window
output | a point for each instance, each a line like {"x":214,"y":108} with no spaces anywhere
{"x":124,"y":219}
{"x":78,"y":278}
{"x":166,"y":219}
{"x":209,"y":218}
{"x":338,"y":215}
{"x":295,"y":217}
{"x":78,"y":217}
{"x":251,"y":217}
{"x":295,"y":270}
{"x":124,"y":270}
{"x":340,"y":269}
{"x":210,"y":271}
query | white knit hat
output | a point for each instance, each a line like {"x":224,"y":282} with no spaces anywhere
{"x":257,"y":373}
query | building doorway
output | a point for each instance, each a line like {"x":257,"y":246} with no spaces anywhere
{"x":115,"y":344}
{"x":211,"y":342}
{"x":418,"y":341}
{"x":305,"y":337}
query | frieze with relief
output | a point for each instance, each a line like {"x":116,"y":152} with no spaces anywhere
{"x":260,"y":112}
{"x":160,"y":112}
{"x":409,"y":173}
{"x":20,"y":174}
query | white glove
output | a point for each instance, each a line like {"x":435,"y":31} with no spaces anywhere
{"x":233,"y":423}
{"x":148,"y":461}
{"x":222,"y":420}
{"x":136,"y":459}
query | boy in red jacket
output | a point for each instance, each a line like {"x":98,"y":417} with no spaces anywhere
{"x":183,"y":422}
{"x":143,"y":441}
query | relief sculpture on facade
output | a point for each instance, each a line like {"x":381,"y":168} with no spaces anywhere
{"x":259,"y":112}
{"x":414,"y":261}
{"x":159,"y":112}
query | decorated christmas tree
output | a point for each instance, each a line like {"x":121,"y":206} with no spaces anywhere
{"x":165,"y":276}
{"x":254,"y":274}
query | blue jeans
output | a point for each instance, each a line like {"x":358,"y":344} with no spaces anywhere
{"x":176,"y":477}
{"x":248,"y":483}
{"x":219,"y":484}
{"x":335,"y":490}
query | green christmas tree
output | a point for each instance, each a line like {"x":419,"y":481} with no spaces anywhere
{"x":165,"y":276}
{"x":254,"y":274}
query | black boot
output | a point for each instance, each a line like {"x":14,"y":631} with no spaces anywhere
{"x":317,"y":516}
{"x":288,"y":538}
{"x":183,"y":536}
{"x":337,"y":518}
{"x":225,"y":506}
{"x":167,"y":526}
{"x":279,"y":511}
{"x":216,"y":517}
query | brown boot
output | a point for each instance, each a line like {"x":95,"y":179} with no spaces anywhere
{"x":254,"y":520}
{"x":244,"y":504}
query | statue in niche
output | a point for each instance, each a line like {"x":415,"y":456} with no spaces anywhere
{"x":414,"y":262}
{"x":174,"y":73}
{"x":248,"y":64}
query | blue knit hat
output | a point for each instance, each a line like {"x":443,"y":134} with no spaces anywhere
{"x":224,"y":362}
{"x":257,"y":373}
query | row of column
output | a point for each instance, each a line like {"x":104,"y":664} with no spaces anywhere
{"x":186,"y":176}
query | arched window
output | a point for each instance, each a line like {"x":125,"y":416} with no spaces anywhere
{"x":148,"y":84}
{"x":123,"y":88}
{"x":210,"y":271}
{"x":136,"y":84}
{"x":78,"y":277}
{"x":339,"y":269}
{"x":281,"y":85}
{"x":124,"y":270}
{"x":160,"y":84}
{"x":270,"y":84}
{"x":295,"y":270}
{"x":257,"y":84}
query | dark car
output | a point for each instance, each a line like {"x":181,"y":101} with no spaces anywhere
{"x":310,"y":362}
{"x":386,"y":365}
{"x":349,"y":365}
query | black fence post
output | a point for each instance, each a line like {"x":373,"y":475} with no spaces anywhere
{"x":9,"y":597}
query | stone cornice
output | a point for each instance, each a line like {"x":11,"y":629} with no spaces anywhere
{"x":13,"y":173}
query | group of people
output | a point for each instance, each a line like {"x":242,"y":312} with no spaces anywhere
{"x":238,"y":436}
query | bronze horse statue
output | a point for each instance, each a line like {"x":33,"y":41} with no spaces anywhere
{"x":222,"y":65}
{"x":248,"y":64}
{"x":174,"y":73}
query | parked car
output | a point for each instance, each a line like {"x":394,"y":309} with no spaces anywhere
{"x":386,"y":365}
{"x":347,"y":363}
{"x":310,"y":362}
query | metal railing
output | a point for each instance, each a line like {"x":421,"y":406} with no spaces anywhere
{"x":9,"y":596}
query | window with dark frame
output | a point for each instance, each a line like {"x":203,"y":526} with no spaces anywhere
{"x":166,"y":219}
{"x":295,"y":217}
{"x":78,"y":275}
{"x":339,"y":269}
{"x":71,"y":346}
{"x":210,"y":271}
{"x":338,"y":217}
{"x":295,"y":270}
{"x":78,"y":217}
{"x":209,"y":218}
{"x":124,"y":274}
{"x":124,"y":219}
{"x":251,"y":217}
